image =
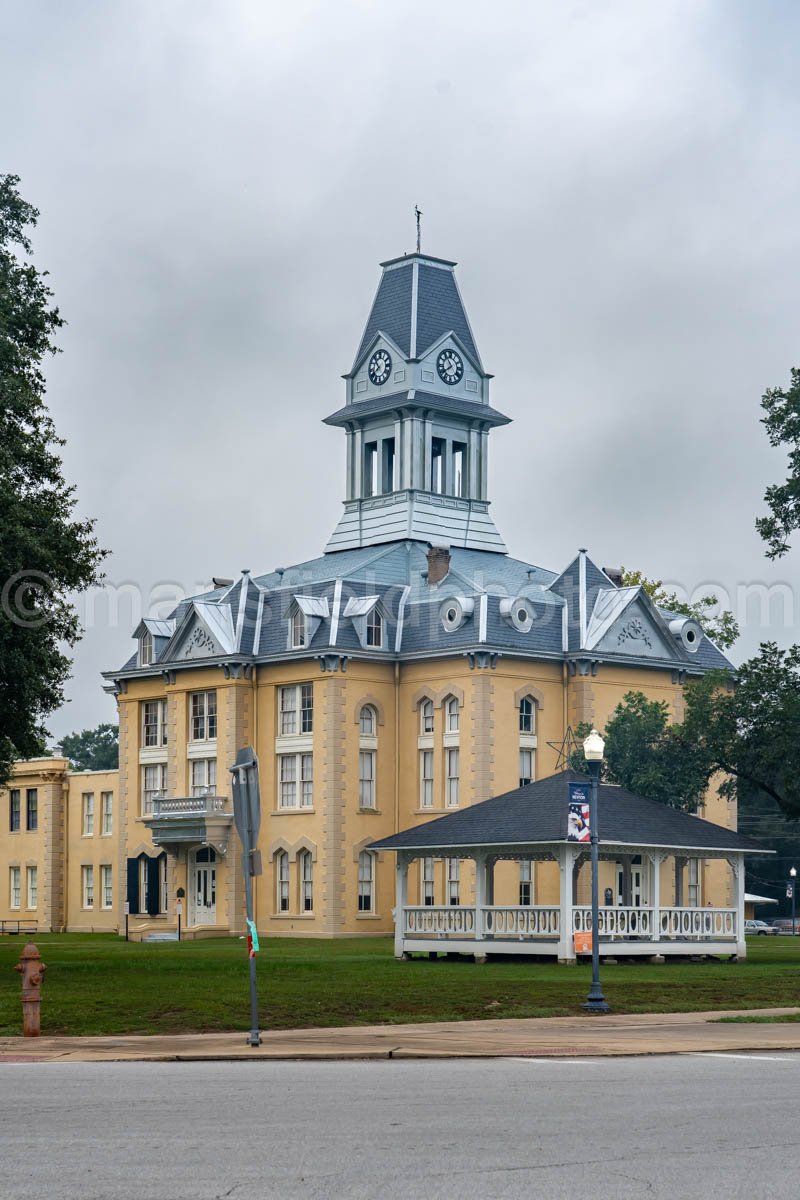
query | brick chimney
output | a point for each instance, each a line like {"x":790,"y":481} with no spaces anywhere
{"x":438,"y":563}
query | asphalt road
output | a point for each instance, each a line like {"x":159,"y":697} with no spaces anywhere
{"x":684,"y":1126}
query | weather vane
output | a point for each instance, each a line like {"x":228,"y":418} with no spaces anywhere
{"x":418,"y":215}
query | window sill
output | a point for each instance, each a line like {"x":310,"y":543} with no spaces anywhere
{"x":288,"y":916}
{"x":368,"y":916}
{"x":422,"y":812}
{"x":365,"y":809}
{"x":291,"y":812}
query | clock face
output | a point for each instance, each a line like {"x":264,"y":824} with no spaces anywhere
{"x":379,"y":367}
{"x":450,"y":367}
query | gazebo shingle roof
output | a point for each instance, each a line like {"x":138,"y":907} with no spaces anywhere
{"x":537,"y":813}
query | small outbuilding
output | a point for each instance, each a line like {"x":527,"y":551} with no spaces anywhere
{"x":530,"y":825}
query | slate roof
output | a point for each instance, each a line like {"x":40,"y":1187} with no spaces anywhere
{"x":473,"y":410}
{"x":439,"y":307}
{"x":537,"y":815}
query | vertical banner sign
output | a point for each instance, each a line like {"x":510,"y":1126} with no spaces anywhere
{"x":578,"y":813}
{"x":247,"y":818}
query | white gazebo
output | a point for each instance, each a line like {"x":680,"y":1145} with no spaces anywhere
{"x":530,"y":824}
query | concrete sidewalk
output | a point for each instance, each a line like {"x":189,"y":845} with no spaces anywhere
{"x":554,"y":1037}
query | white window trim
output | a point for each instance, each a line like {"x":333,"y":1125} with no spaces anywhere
{"x":87,"y":888}
{"x":15,"y":887}
{"x":297,"y":782}
{"x":31,"y":873}
{"x":106,"y":872}
{"x":206,"y":736}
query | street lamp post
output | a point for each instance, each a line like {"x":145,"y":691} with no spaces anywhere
{"x":793,"y":877}
{"x":593,"y":748}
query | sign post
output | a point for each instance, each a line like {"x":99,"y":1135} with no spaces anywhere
{"x":247,"y":818}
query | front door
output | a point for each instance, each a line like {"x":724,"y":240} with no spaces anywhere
{"x":204,"y":891}
{"x":637,"y":886}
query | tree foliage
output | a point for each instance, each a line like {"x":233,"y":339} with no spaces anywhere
{"x":749,"y":732}
{"x":92,"y":749}
{"x":722,"y":628}
{"x":782,"y":422}
{"x":46,"y":554}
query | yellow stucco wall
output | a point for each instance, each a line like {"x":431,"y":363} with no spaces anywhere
{"x":91,"y":846}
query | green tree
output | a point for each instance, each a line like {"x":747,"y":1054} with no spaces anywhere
{"x":46,"y":554}
{"x":92,"y":749}
{"x":722,"y":627}
{"x":782,"y":421}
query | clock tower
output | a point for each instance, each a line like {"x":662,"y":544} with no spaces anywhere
{"x":417,"y":418}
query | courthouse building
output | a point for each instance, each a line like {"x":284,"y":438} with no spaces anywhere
{"x":414,"y":668}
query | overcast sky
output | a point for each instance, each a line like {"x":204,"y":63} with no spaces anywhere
{"x":219,"y":179}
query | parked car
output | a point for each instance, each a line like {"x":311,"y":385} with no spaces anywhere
{"x":759,"y":927}
{"x":784,"y":925}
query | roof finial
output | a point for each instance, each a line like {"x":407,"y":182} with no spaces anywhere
{"x":418,"y":214}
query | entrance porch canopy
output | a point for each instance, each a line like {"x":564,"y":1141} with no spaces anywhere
{"x":530,"y":823}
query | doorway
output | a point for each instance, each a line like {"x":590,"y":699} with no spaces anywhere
{"x":204,"y":887}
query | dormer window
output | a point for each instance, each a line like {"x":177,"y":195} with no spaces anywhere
{"x":146,"y":650}
{"x":298,"y":630}
{"x":426,"y":717}
{"x":374,"y":628}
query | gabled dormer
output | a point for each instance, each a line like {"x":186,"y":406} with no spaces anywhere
{"x":370,"y":621}
{"x":152,"y":637}
{"x":305,"y":615}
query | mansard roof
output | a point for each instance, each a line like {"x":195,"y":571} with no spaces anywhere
{"x":249,"y":620}
{"x":537,"y":814}
{"x":417,"y":303}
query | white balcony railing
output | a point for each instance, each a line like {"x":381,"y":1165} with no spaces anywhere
{"x":697,"y":923}
{"x":440,"y":920}
{"x":529,"y":922}
{"x":623,"y":921}
{"x":189,"y":806}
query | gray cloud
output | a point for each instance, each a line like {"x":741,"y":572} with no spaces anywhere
{"x":218,"y":182}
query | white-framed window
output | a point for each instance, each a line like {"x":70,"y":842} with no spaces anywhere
{"x":367,"y":721}
{"x":146,"y":651}
{"x":296,"y":709}
{"x":452,"y":763}
{"x":87,"y":886}
{"x":14,"y":809}
{"x":162,"y":883}
{"x":144,"y":884}
{"x":693,"y":882}
{"x":426,"y":716}
{"x":427,"y":882}
{"x":525,"y":767}
{"x":202,"y":716}
{"x":452,"y":715}
{"x":204,"y":776}
{"x":88,"y":814}
{"x":426,"y":779}
{"x":32,"y":809}
{"x":366,"y":778}
{"x":527,"y":715}
{"x":282,"y":881}
{"x":366,"y":881}
{"x":306,"y":867}
{"x":453,"y":880}
{"x":154,"y":723}
{"x":106,"y":813}
{"x":154,"y":785}
{"x":298,"y":629}
{"x":14,"y":886}
{"x":107,"y":886}
{"x":374,"y":627}
{"x":296,"y":780}
{"x":32,"y":881}
{"x":525,"y":882}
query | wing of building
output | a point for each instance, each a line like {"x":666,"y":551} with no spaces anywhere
{"x":412,"y":668}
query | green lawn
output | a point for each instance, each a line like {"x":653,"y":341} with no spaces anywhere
{"x":101,"y":984}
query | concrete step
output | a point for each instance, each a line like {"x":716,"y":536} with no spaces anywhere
{"x":160,"y":937}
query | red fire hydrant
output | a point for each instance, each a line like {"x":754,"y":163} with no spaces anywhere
{"x":32,"y":970}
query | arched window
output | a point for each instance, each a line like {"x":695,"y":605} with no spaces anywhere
{"x":282,"y":881}
{"x":146,"y":650}
{"x":527,"y":715}
{"x":366,"y":882}
{"x":298,"y":629}
{"x":374,"y":627}
{"x":306,"y":865}
{"x":426,"y":716}
{"x":367,"y":721}
{"x":452,"y":715}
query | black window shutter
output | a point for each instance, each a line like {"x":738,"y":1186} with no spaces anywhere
{"x":133,"y":885}
{"x":152,"y":887}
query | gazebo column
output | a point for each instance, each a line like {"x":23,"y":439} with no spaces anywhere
{"x":401,"y":899}
{"x":480,"y":900}
{"x":737,"y":871}
{"x":656,"y":859}
{"x":567,"y":853}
